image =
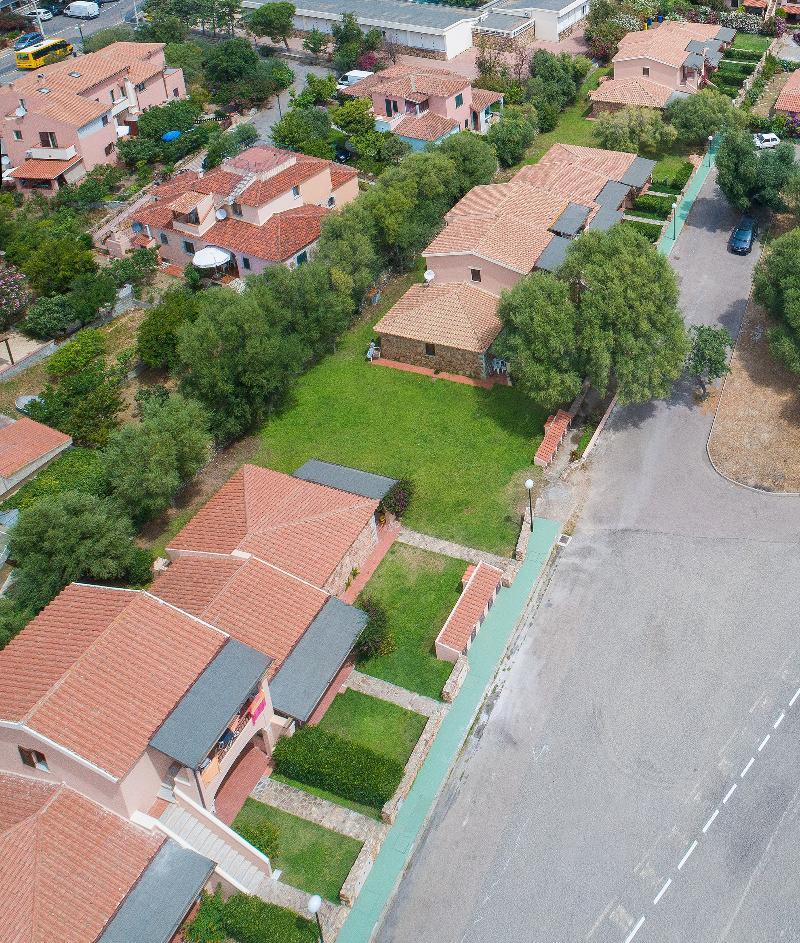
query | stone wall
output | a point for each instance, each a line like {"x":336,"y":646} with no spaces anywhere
{"x":354,"y":559}
{"x":446,"y":359}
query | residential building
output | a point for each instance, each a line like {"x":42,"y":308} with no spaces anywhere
{"x":788,"y":102}
{"x":261,"y":208}
{"x":66,"y":118}
{"x":493,"y":237}
{"x":26,"y":447}
{"x":423,"y":106}
{"x":543,"y":19}
{"x":655,"y":66}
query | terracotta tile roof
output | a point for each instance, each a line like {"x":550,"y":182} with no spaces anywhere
{"x":66,"y":864}
{"x":24,"y":441}
{"x":483,"y":98}
{"x":254,"y":602}
{"x":427,"y":127}
{"x":259,"y":159}
{"x":665,"y":43}
{"x":186,"y":202}
{"x":453,"y":315}
{"x":262,"y":191}
{"x":415,"y":84}
{"x":513,"y":243}
{"x":153,"y":214}
{"x":58,"y":104}
{"x":793,"y":9}
{"x":789,"y":98}
{"x":298,"y":526}
{"x":579,"y":172}
{"x":481,"y":584}
{"x":99,"y":670}
{"x":639,"y":92}
{"x":340,"y":175}
{"x":516,"y":198}
{"x":282,"y":236}
{"x":36,"y":169}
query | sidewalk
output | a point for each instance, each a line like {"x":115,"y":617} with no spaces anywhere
{"x":668,"y":240}
{"x":484,"y":658}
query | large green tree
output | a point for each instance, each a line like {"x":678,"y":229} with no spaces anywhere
{"x":275,"y":20}
{"x":695,"y":117}
{"x":750,"y":178}
{"x":305,"y":129}
{"x":474,"y":159}
{"x":157,"y":337}
{"x":708,"y":357}
{"x":56,"y":262}
{"x":777,"y":287}
{"x":511,"y":136}
{"x":641,"y":130}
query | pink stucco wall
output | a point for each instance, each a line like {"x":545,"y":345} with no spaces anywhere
{"x":438,"y":104}
{"x":659,"y":72}
{"x":456,"y":268}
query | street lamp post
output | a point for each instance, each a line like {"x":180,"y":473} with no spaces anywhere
{"x":710,"y":142}
{"x":674,"y":219}
{"x":314,"y":905}
{"x":529,"y":486}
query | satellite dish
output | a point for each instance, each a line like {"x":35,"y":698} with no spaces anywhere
{"x":21,"y":111}
{"x":221,"y":213}
{"x":429,"y":276}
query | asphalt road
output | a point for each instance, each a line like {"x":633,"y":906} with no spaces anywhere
{"x":111,"y":14}
{"x":663,"y":653}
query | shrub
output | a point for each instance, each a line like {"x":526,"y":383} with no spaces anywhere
{"x":399,"y":497}
{"x":660,"y":205}
{"x":650,"y":231}
{"x":248,"y":919}
{"x":207,"y":925}
{"x":261,"y":834}
{"x":376,"y":638}
{"x":742,"y":55}
{"x":76,"y":470}
{"x":327,"y":761}
{"x":49,"y":317}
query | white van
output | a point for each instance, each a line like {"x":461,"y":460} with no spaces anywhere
{"x":82,"y":10}
{"x":350,"y":78}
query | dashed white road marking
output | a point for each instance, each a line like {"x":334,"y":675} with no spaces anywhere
{"x":635,"y":930}
{"x":779,"y":720}
{"x":729,"y":793}
{"x":685,"y":858}
{"x":763,"y":743}
{"x":796,"y":695}
{"x":710,"y":822}
{"x":663,"y":890}
{"x":744,"y":771}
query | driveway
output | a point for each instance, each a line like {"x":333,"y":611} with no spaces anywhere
{"x":661,"y":656}
{"x":266,"y":117}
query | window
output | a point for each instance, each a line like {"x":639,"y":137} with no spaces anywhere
{"x":475,"y":274}
{"x":18,"y":135}
{"x":237,"y":209}
{"x":104,"y":120}
{"x":163,"y":237}
{"x":459,"y":100}
{"x":108,"y":150}
{"x":430,"y":350}
{"x":245,"y":263}
{"x":193,"y":217}
{"x":295,"y":192}
{"x":466,"y":124}
{"x":113,"y":95}
{"x":645,"y":70}
{"x":175,"y":93}
{"x":139,"y":86}
{"x":302,"y":257}
{"x":188,"y":247}
{"x":34,"y":759}
{"x":388,"y":105}
{"x":47,"y":139}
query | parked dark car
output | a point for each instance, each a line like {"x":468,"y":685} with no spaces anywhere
{"x":28,"y":39}
{"x":742,"y":237}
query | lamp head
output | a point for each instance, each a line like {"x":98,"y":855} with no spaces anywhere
{"x":314,"y":904}
{"x":529,"y":484}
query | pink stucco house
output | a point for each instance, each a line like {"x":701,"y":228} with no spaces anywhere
{"x":654,"y":66}
{"x":66,"y":118}
{"x":261,"y":208}
{"x":423,"y":106}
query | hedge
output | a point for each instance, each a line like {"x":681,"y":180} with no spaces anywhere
{"x":650,"y":231}
{"x":77,"y":469}
{"x":742,"y":55}
{"x":727,"y":67}
{"x":660,"y":206}
{"x":328,"y":761}
{"x":247,"y":919}
{"x":674,"y":183}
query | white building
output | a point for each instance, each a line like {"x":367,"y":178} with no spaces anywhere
{"x":548,"y":19}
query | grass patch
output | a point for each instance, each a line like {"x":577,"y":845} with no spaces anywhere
{"x":367,"y":810}
{"x":77,"y":469}
{"x":311,"y":857}
{"x":384,"y":728}
{"x":751,"y":43}
{"x":646,"y":214}
{"x":586,"y":437}
{"x":417,"y":589}
{"x":650,"y":231}
{"x":467,"y":450}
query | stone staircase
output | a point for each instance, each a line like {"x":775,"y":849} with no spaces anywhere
{"x":195,"y":833}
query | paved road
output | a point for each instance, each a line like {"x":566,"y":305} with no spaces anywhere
{"x":662,"y":654}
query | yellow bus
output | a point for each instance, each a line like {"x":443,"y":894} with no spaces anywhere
{"x":51,"y":50}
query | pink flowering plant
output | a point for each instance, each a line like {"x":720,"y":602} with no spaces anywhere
{"x":14,"y":293}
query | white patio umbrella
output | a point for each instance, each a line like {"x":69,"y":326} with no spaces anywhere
{"x":211,"y":257}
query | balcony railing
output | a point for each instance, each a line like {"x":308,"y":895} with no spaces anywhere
{"x":51,"y":153}
{"x":238,"y":724}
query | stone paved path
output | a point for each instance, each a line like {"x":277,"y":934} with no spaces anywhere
{"x":449,"y":549}
{"x":276,"y":892}
{"x":386,"y":691}
{"x":315,"y":809}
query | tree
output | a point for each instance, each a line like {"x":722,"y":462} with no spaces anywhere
{"x":349,"y":42}
{"x":230,"y":61}
{"x":318,"y":91}
{"x":48,"y":317}
{"x":146,"y":463}
{"x":307,"y":130}
{"x":56,"y":262}
{"x":474,"y":159}
{"x":541,"y":339}
{"x":348,"y":246}
{"x":275,"y":20}
{"x":189,"y":57}
{"x":510,"y":137}
{"x":697,"y":116}
{"x":104,"y":37}
{"x":631,"y":331}
{"x":71,"y":537}
{"x":354,"y":116}
{"x":641,"y":130}
{"x":748,"y":177}
{"x":777,"y":288}
{"x":181,"y":115}
{"x":708,"y":357}
{"x":157,"y":337}
{"x":317,"y":42}
{"x":235,"y":361}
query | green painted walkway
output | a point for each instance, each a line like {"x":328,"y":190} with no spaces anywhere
{"x":670,"y":237}
{"x":484,"y":658}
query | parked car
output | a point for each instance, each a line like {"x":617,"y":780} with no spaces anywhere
{"x":741,"y":241}
{"x":82,"y":10}
{"x":28,"y":39}
{"x":39,"y":13}
{"x":350,"y":78}
{"x":765,"y":141}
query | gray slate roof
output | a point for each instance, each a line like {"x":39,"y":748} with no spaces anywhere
{"x":503,"y":23}
{"x":638,"y":173}
{"x":570,"y":222}
{"x":612,"y":194}
{"x":204,"y":712}
{"x":305,"y":676}
{"x":554,"y":253}
{"x":605,"y":218}
{"x":725,"y":34}
{"x":714,"y":58}
{"x":351,"y":480}
{"x":533,"y":5}
{"x":157,"y":904}
{"x":423,"y":15}
{"x":694,"y":61}
{"x":701,"y":45}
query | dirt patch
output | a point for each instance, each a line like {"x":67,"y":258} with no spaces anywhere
{"x":756,"y":435}
{"x":769,"y":96}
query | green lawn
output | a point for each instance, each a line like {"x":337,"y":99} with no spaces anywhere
{"x":751,"y":43}
{"x":312,"y":858}
{"x":467,"y":450}
{"x":417,"y":589}
{"x":368,"y":810}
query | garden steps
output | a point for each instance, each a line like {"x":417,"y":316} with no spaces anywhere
{"x":386,"y":691}
{"x":449,"y":549}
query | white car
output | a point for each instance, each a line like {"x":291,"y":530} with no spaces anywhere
{"x":764,"y":142}
{"x":39,"y":14}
